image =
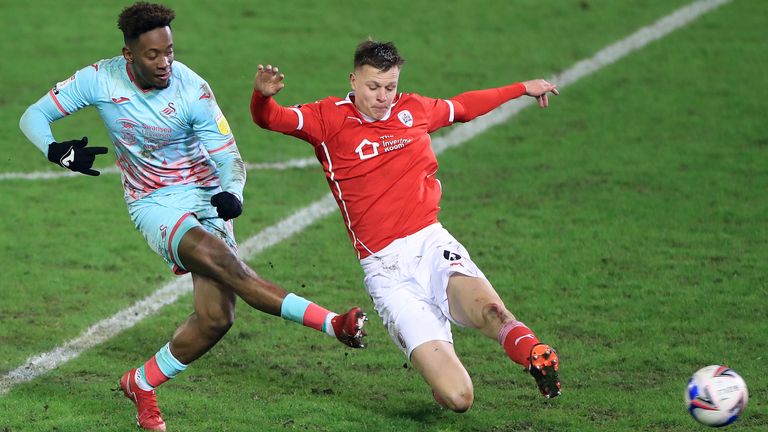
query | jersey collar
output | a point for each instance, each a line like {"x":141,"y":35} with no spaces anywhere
{"x":130,"y":76}
{"x":351,"y":99}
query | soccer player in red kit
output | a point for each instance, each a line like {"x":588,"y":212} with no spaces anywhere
{"x":374,"y":146}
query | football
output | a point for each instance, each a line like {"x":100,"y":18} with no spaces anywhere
{"x":716,"y":395}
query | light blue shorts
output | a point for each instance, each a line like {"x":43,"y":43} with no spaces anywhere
{"x":165,"y":215}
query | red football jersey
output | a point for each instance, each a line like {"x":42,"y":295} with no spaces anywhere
{"x":381,"y":173}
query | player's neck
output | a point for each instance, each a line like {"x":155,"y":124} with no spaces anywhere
{"x":136,"y":79}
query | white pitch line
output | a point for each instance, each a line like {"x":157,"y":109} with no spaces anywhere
{"x":62,"y":173}
{"x":604,"y":57}
{"x":169,"y":293}
{"x":127,"y":318}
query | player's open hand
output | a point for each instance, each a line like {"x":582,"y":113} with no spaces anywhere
{"x":539,"y":88}
{"x":268,"y":80}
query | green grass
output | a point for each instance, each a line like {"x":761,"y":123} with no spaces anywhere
{"x":626,"y":224}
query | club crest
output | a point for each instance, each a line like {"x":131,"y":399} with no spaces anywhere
{"x":405,"y":117}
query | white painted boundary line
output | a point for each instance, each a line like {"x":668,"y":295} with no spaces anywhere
{"x":61,"y":173}
{"x":604,"y":57}
{"x":127,"y":318}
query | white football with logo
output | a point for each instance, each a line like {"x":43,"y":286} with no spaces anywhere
{"x":716,"y":395}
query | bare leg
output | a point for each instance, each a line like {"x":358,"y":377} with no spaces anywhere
{"x":204,"y":254}
{"x":442,"y":370}
{"x":474,"y":303}
{"x":213,"y":316}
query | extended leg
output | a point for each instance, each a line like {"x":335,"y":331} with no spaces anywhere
{"x":474,"y":303}
{"x":204,"y":254}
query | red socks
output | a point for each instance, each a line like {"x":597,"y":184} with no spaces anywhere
{"x":517,"y":340}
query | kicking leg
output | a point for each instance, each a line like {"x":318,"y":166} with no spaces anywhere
{"x":205,"y":254}
{"x":474,"y":303}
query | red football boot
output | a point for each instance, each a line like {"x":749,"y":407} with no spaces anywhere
{"x":148,"y":415}
{"x":348,"y":328}
{"x":544,"y":366}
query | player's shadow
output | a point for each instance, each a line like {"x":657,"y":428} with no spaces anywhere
{"x":426,"y":413}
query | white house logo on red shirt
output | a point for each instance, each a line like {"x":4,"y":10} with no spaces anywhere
{"x":367,"y":149}
{"x":405,"y":117}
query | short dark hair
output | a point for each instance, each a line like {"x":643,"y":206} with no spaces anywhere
{"x":381,"y":55}
{"x":142,"y":17}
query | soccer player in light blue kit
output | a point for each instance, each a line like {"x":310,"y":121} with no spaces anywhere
{"x":183,"y":179}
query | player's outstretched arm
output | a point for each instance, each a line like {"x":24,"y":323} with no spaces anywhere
{"x":268,"y":80}
{"x":539,"y":88}
{"x":472,"y":104}
{"x":264,"y":110}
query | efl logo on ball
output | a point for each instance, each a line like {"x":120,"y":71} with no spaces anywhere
{"x":716,"y":395}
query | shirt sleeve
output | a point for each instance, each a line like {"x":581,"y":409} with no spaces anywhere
{"x":301,"y":121}
{"x":472,"y":104}
{"x":64,"y":98}
{"x":212,"y":128}
{"x":440,"y":112}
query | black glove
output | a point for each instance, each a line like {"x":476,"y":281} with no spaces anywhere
{"x":228,"y":206}
{"x":73,"y":155}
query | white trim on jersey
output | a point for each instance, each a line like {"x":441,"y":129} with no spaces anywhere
{"x":355,"y":240}
{"x":301,"y":117}
{"x":347,"y":99}
{"x":365,"y":117}
{"x":365,"y":247}
{"x":450,"y":105}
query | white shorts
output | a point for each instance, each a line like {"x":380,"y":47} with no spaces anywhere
{"x":408,"y":281}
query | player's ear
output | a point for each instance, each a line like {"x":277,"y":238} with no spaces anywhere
{"x":127,"y":54}
{"x":352,"y":80}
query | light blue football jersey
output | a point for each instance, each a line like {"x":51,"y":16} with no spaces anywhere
{"x":161,"y":137}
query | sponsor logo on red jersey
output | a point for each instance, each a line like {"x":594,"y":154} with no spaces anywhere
{"x":367,"y":149}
